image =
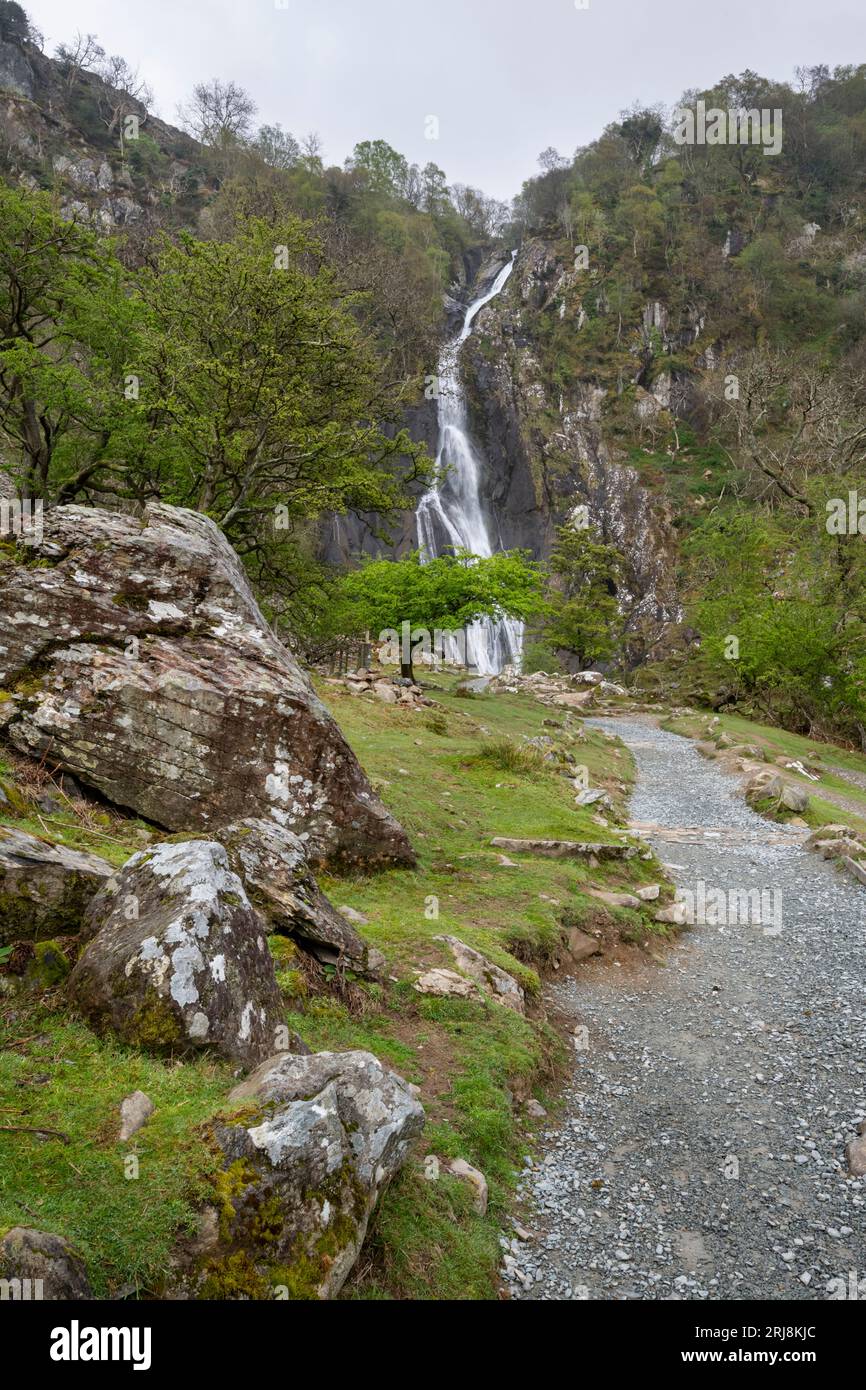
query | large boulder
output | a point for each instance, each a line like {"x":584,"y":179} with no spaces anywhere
{"x":310,"y":1145}
{"x":138,"y":659}
{"x":37,"y":1265}
{"x":44,"y":888}
{"x":179,"y":959}
{"x":272,"y":863}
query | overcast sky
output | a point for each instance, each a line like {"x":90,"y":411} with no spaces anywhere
{"x":505,"y":78}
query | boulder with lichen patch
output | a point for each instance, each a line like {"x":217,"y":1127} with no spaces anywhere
{"x":45,"y":888}
{"x":272,"y":863}
{"x":309,"y":1145}
{"x":178,"y":958}
{"x":137,"y":659}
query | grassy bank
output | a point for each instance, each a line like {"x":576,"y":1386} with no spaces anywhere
{"x":456,"y":776}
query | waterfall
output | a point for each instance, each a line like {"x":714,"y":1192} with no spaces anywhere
{"x":450,"y":514}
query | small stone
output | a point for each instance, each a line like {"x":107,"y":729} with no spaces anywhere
{"x":461,"y":1169}
{"x":135,"y":1111}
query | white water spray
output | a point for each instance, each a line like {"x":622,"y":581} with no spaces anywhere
{"x":450,"y":514}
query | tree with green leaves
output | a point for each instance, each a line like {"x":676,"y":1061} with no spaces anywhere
{"x":441,"y":595}
{"x":583,"y":616}
{"x":270,"y":405}
{"x":68,"y":329}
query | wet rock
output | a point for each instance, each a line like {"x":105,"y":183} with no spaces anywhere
{"x":39,"y":1265}
{"x":855,"y":1153}
{"x":580,"y":945}
{"x":146,"y":669}
{"x":308,"y":1148}
{"x":676,"y":914}
{"x":44,"y":888}
{"x":614,"y":899}
{"x":503,"y":987}
{"x":179,"y":959}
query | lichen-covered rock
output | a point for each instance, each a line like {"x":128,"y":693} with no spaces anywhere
{"x":38,"y":1265}
{"x":312,"y":1143}
{"x":179,"y":959}
{"x":138,"y":659}
{"x":44,"y":888}
{"x":272,"y":863}
{"x":502,"y":986}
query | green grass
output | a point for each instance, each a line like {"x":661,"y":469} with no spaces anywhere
{"x":64,"y":1078}
{"x":456,"y":776}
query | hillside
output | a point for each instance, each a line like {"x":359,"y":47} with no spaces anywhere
{"x":432,"y":703}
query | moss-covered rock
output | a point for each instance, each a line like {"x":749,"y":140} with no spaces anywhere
{"x":45,"y":888}
{"x":48,"y":966}
{"x":308,"y":1146}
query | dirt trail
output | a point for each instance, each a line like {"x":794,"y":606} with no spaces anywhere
{"x":700,"y":1153}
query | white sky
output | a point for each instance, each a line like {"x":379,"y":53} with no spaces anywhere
{"x":506,"y":78}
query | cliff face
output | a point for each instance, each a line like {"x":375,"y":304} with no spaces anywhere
{"x":63,"y":136}
{"x":547,"y":450}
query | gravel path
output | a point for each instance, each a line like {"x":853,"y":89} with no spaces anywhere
{"x":700,"y":1151}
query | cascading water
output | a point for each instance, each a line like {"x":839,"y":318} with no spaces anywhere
{"x":450,"y":515}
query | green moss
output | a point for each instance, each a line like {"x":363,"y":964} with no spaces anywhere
{"x":154,"y":1023}
{"x":229,"y":1185}
{"x":49,"y":965}
{"x":234,"y":1277}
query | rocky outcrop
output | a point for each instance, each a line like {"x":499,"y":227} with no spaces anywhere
{"x":37,"y":1265}
{"x":44,"y":888}
{"x":308,"y":1148}
{"x":178,"y":959}
{"x":546,"y":450}
{"x":272,"y":864}
{"x":503,"y":987}
{"x":137,"y":659}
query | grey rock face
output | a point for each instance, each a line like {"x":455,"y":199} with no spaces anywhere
{"x":44,"y":889}
{"x":272,"y":863}
{"x":38,"y":1265}
{"x":16,"y":74}
{"x":179,"y":958}
{"x":313,"y":1144}
{"x":159,"y":683}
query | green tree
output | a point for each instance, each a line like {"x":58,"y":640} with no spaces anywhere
{"x":583,"y":616}
{"x":444,"y":594}
{"x":270,"y":404}
{"x":68,"y":329}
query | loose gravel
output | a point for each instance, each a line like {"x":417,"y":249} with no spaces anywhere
{"x":700,"y":1150}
